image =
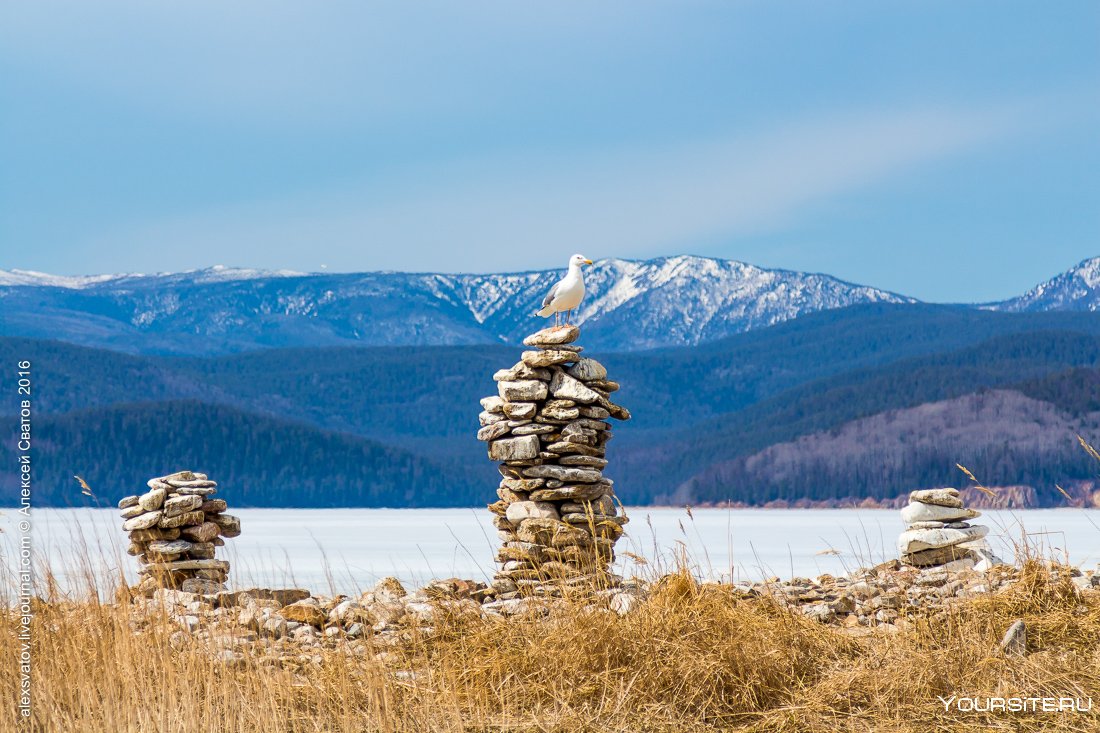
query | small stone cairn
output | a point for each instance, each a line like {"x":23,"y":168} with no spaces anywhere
{"x":557,"y":515}
{"x":174,"y":528}
{"x":938,"y":531}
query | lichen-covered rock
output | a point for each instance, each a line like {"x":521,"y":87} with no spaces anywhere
{"x":132,"y":511}
{"x":514,"y":449}
{"x":564,"y":473}
{"x":205,"y":532}
{"x":521,"y":510}
{"x":565,"y":387}
{"x":937,"y":497}
{"x":525,"y":390}
{"x":304,"y":612}
{"x":547,"y":358}
{"x":170,"y":546}
{"x":187,"y":518}
{"x":178,"y":505}
{"x":142,"y":521}
{"x":152,"y":499}
{"x":228,"y":524}
{"x":553,"y":336}
{"x":588,"y":370}
{"x":936,"y":556}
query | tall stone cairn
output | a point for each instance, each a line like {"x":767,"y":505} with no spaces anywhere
{"x":938,"y":531}
{"x":174,"y":529}
{"x":548,"y":428}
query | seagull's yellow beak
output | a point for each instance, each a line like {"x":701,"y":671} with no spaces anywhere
{"x":588,"y":262}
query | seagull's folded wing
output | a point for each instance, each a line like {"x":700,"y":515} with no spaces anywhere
{"x":550,"y":296}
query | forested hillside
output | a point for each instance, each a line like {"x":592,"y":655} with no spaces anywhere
{"x":395,"y":426}
{"x":1000,"y":435}
{"x":259,"y":460}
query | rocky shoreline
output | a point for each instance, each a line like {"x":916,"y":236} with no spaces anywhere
{"x":246,"y":626}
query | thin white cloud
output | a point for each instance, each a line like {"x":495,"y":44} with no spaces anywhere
{"x":521,"y":212}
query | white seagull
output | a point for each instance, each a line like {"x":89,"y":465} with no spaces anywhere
{"x":567,"y":293}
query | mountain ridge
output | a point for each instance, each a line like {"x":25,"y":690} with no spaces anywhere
{"x":1077,"y":289}
{"x":632,"y":305}
{"x":638,"y":304}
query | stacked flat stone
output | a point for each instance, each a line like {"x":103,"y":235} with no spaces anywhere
{"x":557,"y":514}
{"x":174,"y":529}
{"x":938,"y":530}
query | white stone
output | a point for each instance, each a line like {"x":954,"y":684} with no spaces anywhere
{"x":520,"y":510}
{"x":132,"y":511}
{"x":917,"y":512}
{"x":565,"y":387}
{"x":514,"y":449}
{"x":422,"y":612}
{"x":143,"y":521}
{"x":520,"y":410}
{"x":490,"y":418}
{"x":524,"y":390}
{"x":151,"y":500}
{"x":623,"y":603}
{"x":189,"y":623}
{"x":492,"y":404}
{"x":915,"y":540}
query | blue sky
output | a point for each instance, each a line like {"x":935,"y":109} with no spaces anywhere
{"x":946,"y":150}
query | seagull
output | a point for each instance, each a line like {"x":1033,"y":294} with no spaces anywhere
{"x":567,"y":293}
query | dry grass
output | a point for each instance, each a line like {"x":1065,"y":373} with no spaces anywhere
{"x":691,"y":658}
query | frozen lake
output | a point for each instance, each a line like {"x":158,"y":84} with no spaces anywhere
{"x":346,"y":550}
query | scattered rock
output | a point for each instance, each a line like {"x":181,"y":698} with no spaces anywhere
{"x":1015,"y":639}
{"x":304,"y":612}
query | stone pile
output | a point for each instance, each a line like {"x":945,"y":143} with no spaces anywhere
{"x":174,"y":529}
{"x":548,"y":427}
{"x":938,"y":531}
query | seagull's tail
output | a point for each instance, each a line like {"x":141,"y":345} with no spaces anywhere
{"x":545,"y":312}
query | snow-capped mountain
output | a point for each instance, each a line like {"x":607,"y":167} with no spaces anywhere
{"x":1077,"y":289}
{"x":669,"y":301}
